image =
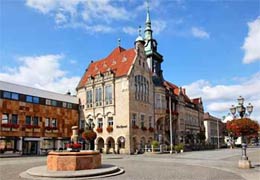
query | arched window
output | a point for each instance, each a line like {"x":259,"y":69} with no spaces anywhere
{"x":141,"y":88}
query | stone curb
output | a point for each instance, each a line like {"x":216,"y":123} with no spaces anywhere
{"x":41,"y":172}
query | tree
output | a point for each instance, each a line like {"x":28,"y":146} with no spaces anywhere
{"x":244,"y":127}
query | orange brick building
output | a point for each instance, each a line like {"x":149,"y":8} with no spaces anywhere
{"x":33,"y":120}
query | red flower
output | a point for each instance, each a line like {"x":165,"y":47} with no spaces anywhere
{"x":15,"y":126}
{"x":109,"y":129}
{"x":135,"y":127}
{"x":73,"y":145}
{"x":8,"y":125}
{"x":89,"y":135}
{"x":151,"y":129}
{"x":28,"y":126}
{"x":144,"y":128}
{"x":99,"y":130}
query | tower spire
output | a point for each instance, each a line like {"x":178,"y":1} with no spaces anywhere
{"x":148,"y":25}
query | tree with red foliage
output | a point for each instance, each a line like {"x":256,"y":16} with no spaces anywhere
{"x":244,"y":127}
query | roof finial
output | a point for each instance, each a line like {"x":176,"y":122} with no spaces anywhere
{"x":119,"y":42}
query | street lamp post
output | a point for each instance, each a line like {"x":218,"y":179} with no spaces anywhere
{"x":170,"y":112}
{"x":242,"y":112}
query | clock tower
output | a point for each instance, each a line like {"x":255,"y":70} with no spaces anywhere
{"x":154,"y":58}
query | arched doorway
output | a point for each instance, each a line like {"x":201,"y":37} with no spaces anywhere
{"x":100,"y":144}
{"x":134,"y":146}
{"x":110,"y":145}
{"x":121,"y":144}
{"x":142,"y":144}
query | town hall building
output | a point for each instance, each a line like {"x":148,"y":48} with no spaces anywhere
{"x":131,"y":104}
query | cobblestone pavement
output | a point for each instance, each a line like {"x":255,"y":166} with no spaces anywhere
{"x":201,"y":165}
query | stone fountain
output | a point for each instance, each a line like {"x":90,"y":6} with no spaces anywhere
{"x":71,"y":164}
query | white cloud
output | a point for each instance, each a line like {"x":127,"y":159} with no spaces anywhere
{"x":42,"y":72}
{"x":94,"y":16}
{"x":199,"y":33}
{"x":252,"y":42}
{"x":219,"y":98}
{"x":130,"y":30}
{"x":158,"y":26}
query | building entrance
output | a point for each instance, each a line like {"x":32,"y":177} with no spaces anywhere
{"x":30,"y":147}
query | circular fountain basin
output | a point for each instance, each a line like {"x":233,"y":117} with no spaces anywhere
{"x":73,"y":161}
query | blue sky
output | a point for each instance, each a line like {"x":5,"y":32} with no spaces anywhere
{"x":210,"y":47}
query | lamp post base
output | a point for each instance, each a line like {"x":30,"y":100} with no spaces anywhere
{"x":244,"y":164}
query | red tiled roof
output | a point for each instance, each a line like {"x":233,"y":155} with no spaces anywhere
{"x":176,"y":90}
{"x":173,"y":86}
{"x":119,"y":61}
{"x":196,"y":100}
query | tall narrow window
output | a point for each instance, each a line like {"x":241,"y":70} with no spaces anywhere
{"x":54,"y":122}
{"x":47,"y":122}
{"x":35,"y":121}
{"x":5,"y":118}
{"x":100,"y":123}
{"x":14,"y":119}
{"x":98,"y":95}
{"x":89,"y":98}
{"x":28,"y":120}
{"x":82,"y":123}
{"x":108,"y":94}
{"x":150,"y":121}
{"x":110,"y":121}
{"x":142,"y":121}
{"x":141,"y":88}
{"x":133,"y":119}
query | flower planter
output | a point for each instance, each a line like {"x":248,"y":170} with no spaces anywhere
{"x":28,"y":130}
{"x":55,"y":131}
{"x":6,"y":129}
{"x":48,"y":131}
{"x":36,"y":130}
{"x":15,"y":129}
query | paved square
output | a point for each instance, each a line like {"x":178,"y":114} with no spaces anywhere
{"x":201,"y":165}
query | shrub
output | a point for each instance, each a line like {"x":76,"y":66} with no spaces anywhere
{"x":155,"y":144}
{"x":179,"y":147}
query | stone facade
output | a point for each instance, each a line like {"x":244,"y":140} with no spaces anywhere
{"x":214,"y":129}
{"x":34,"y":127}
{"x":127,"y":110}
